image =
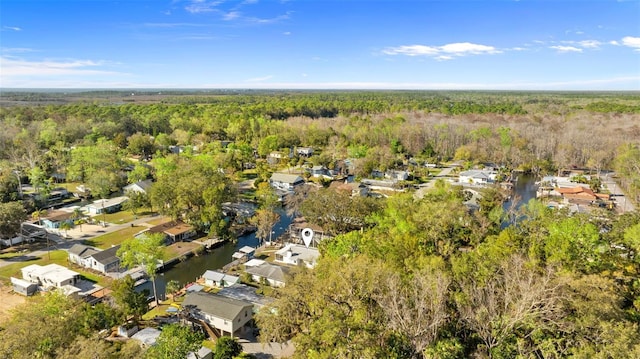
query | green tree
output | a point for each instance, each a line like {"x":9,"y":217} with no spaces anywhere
{"x":175,"y":342}
{"x":12,"y":214}
{"x":173,"y":286}
{"x":139,"y":173}
{"x":136,"y":201}
{"x":227,"y":348}
{"x":144,"y":251}
{"x":131,"y":303}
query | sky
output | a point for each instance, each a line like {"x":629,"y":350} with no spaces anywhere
{"x":311,"y":44}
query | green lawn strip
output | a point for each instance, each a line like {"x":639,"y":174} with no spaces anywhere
{"x":124,"y":216}
{"x":160,"y":220}
{"x":114,"y":238}
{"x":13,"y":270}
{"x":179,"y":249}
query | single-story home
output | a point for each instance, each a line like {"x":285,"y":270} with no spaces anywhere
{"x":53,"y":219}
{"x":110,"y":205}
{"x":477,"y":177}
{"x":174,"y":231}
{"x":225,"y":314}
{"x":285,"y":182}
{"x":140,"y":186}
{"x":23,"y":287}
{"x":296,"y":254}
{"x":580,"y":195}
{"x":105,"y":261}
{"x":319,"y":171}
{"x":219,"y":279}
{"x":275,"y":275}
{"x":51,"y":275}
{"x":79,"y":254}
{"x":304,"y":151}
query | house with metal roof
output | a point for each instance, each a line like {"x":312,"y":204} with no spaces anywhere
{"x":295,"y":254}
{"x":110,"y":205}
{"x":140,"y":187}
{"x":285,"y":181}
{"x":273,"y":274}
{"x":477,"y":177}
{"x":219,"y":279}
{"x":105,"y":261}
{"x":227,"y":315}
{"x":79,"y":254}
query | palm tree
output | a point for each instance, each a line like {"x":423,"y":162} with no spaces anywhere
{"x":173,"y":286}
{"x":65,"y":226}
{"x":78,"y":217}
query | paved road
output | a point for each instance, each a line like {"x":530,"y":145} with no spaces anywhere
{"x":622,"y":204}
{"x":74,"y":236}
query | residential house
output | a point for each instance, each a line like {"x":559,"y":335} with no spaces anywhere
{"x":139,"y":187}
{"x":477,"y":177}
{"x":79,"y":254}
{"x":580,"y":195}
{"x":285,"y":182}
{"x":174,"y":231}
{"x":219,"y":279}
{"x":275,"y":157}
{"x":320,"y":172}
{"x":396,"y":175}
{"x":51,"y":275}
{"x":225,"y":314}
{"x":53,"y":219}
{"x":296,"y":254}
{"x":304,"y":151}
{"x":246,"y":293}
{"x":105,"y":261}
{"x":274,"y":275}
{"x":110,"y":205}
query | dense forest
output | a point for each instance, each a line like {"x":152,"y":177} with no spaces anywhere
{"x":402,"y":277}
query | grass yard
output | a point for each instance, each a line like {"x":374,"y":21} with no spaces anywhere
{"x":124,"y":216}
{"x":177,"y":250}
{"x":114,"y":238}
{"x":13,"y":269}
{"x":159,"y":220}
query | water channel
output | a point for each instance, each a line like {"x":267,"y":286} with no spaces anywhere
{"x":193,"y":267}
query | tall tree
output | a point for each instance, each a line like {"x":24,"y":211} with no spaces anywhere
{"x":175,"y":342}
{"x":144,"y":251}
{"x":12,"y":214}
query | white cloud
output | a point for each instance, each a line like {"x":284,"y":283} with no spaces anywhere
{"x":199,"y":6}
{"x":12,"y":28}
{"x":15,"y":50}
{"x":590,"y":44}
{"x":614,"y":42}
{"x":566,"y":48}
{"x":260,"y":79}
{"x":631,"y":41}
{"x":286,"y":33}
{"x":445,"y":52}
{"x":232,"y":15}
{"x":18,"y":67}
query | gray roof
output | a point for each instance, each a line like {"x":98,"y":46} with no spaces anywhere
{"x":246,"y":293}
{"x":213,"y":275}
{"x":286,"y":178}
{"x":147,"y":336}
{"x":269,"y":271}
{"x":144,"y":186}
{"x":216,"y":305}
{"x":82,"y":251}
{"x":107,"y":256}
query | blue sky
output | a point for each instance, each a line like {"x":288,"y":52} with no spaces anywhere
{"x":312,"y":44}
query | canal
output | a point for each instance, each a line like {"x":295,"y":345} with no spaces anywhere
{"x":193,"y":267}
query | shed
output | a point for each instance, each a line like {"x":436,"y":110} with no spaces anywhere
{"x":23,"y":287}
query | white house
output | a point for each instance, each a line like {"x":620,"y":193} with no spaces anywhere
{"x":285,"y":182}
{"x":110,"y":205}
{"x":140,"y":186}
{"x":105,"y":261}
{"x":275,"y":275}
{"x":477,"y":177}
{"x":225,"y":314}
{"x":296,"y":254}
{"x":218,"y":279}
{"x":304,"y":151}
{"x":51,"y":275}
{"x":79,"y":254}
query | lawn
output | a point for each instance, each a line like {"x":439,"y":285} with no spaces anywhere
{"x":114,"y":238}
{"x":13,"y":270}
{"x":177,"y":250}
{"x":160,"y":220}
{"x":124,"y":216}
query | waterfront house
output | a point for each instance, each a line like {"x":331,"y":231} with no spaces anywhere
{"x":477,"y":177}
{"x":295,"y":254}
{"x":224,"y":314}
{"x":174,"y":231}
{"x":274,"y":275}
{"x":219,"y":279}
{"x":285,"y":182}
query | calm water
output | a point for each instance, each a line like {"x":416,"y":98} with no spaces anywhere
{"x":192,"y":268}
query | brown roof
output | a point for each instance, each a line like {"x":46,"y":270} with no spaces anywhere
{"x":55,"y":216}
{"x":171,"y":228}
